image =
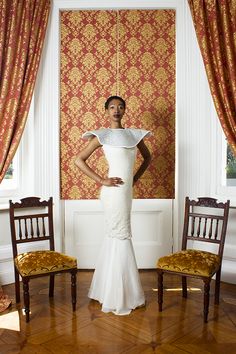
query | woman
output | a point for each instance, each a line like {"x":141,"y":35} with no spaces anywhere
{"x":116,"y":283}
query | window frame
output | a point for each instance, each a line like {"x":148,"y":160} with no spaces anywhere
{"x":221,"y":190}
{"x":23,"y":183}
{"x":9,"y":186}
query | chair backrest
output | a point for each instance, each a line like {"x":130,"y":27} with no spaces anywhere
{"x":31,"y":220}
{"x":205,"y":221}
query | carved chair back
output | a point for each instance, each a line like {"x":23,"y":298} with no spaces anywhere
{"x":31,"y":220}
{"x":205,"y":221}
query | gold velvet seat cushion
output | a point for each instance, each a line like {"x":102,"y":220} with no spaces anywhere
{"x":191,"y":261}
{"x":42,"y":262}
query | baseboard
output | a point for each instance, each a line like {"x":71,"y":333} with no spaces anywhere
{"x":228,"y":271}
{"x":6,"y":265}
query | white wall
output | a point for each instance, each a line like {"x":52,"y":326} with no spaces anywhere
{"x":195,"y":121}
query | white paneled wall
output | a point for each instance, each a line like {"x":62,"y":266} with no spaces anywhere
{"x":193,"y":120}
{"x":47,"y":125}
{"x":195,"y":144}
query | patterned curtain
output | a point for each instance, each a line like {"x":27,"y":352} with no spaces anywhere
{"x":22,"y":31}
{"x":215,"y":25}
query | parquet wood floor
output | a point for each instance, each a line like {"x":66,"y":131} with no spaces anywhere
{"x":179,"y":329}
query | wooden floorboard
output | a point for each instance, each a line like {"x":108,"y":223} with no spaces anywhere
{"x":54,"y":328}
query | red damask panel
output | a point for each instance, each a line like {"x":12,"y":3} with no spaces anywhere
{"x":130,"y":53}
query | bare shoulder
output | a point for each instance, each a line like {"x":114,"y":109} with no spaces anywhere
{"x":92,"y":144}
{"x":93,"y":141}
{"x":89,"y":148}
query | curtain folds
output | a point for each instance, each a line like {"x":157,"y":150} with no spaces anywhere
{"x":22,"y":31}
{"x":215,"y":25}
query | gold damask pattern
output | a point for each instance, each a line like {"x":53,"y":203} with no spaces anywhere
{"x":191,"y":261}
{"x":215,"y":25}
{"x":41,"y":262}
{"x":130,"y":53}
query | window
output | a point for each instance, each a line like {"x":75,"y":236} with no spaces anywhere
{"x":10,"y":174}
{"x":18,"y":181}
{"x":230,"y":168}
{"x":10,"y":183}
{"x":224,"y":167}
{"x":228,"y":164}
{"x":11,"y":179}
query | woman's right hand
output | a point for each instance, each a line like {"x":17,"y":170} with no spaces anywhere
{"x":112,"y":182}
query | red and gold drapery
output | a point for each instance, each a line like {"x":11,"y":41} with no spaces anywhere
{"x":22,"y":30}
{"x":215,"y":25}
{"x":130,"y":53}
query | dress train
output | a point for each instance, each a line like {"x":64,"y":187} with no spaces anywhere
{"x":116,"y":283}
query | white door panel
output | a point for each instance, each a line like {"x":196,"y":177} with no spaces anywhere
{"x":151,"y":228}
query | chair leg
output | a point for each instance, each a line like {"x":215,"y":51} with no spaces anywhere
{"x":184,"y":287}
{"x":206,"y":298}
{"x":51,"y":285}
{"x":17,"y":286}
{"x":217,"y":287}
{"x":26,"y":297}
{"x":160,"y":290}
{"x":73,"y":289}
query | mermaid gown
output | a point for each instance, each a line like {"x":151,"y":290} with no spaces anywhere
{"x":116,"y":283}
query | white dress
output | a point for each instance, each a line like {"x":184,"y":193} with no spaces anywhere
{"x":116,"y":283}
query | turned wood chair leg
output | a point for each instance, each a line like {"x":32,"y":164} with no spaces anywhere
{"x":217,"y":287}
{"x":206,"y":298}
{"x":51,"y":285}
{"x":73,"y":289}
{"x":184,"y":286}
{"x":26,"y":298}
{"x":160,"y":290}
{"x":17,"y":286}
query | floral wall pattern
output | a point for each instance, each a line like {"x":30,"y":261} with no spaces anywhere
{"x":126,"y":52}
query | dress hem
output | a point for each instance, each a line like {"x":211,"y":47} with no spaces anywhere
{"x":108,"y":310}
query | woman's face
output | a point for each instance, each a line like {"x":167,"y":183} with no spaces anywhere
{"x":116,"y":110}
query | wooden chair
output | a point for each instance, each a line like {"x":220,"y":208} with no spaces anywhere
{"x":191,"y":262}
{"x":31,"y":221}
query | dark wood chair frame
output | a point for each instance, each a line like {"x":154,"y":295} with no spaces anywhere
{"x":206,"y":236}
{"x":26,"y":236}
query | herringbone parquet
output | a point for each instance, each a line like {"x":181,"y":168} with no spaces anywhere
{"x":179,"y":329}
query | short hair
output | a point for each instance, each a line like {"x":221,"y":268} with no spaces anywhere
{"x":114,"y":98}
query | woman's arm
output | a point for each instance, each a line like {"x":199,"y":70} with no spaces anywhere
{"x":84,"y":155}
{"x":146,"y":160}
{"x":84,"y":167}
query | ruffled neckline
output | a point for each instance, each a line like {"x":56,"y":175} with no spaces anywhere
{"x":118,"y":137}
